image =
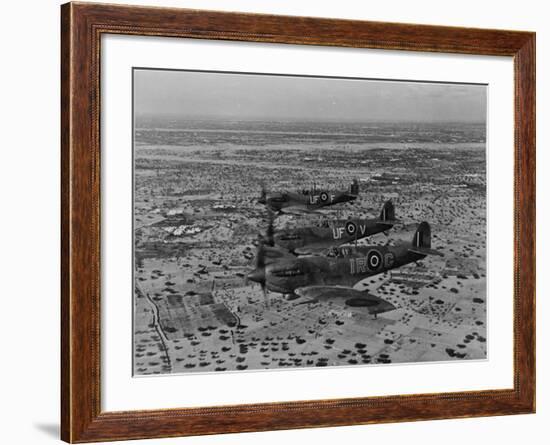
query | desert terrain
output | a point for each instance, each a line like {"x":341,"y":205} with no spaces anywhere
{"x":197,"y":219}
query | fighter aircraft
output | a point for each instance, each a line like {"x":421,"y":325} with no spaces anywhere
{"x":308,"y":200}
{"x":316,"y":239}
{"x":333,"y":276}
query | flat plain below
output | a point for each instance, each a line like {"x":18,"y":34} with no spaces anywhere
{"x":197,"y":219}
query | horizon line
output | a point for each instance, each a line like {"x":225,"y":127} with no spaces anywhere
{"x":301,"y":119}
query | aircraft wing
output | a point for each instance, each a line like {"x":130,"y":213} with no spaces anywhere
{"x":315,"y":249}
{"x":311,"y":250}
{"x":323,"y":210}
{"x":299,"y":210}
{"x":352,"y":297}
{"x":273,"y":254}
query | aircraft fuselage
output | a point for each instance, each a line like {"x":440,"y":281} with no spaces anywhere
{"x":350,"y":266}
{"x":307,"y":201}
{"x":333,"y":234}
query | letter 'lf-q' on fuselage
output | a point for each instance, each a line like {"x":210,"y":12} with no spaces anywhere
{"x":307,"y":200}
{"x":335,"y":275}
{"x":313,"y":239}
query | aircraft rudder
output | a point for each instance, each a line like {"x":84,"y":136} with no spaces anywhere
{"x":422,"y":236}
{"x":388,"y":211}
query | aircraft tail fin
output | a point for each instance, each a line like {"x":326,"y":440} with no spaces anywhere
{"x":354,"y":188}
{"x":422,"y":240}
{"x":388,"y":212}
{"x":422,"y":236}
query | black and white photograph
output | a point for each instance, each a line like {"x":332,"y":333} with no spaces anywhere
{"x":286,"y":222}
{"x":276,"y":222}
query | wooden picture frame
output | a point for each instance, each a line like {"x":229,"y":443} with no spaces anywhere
{"x":82,"y":26}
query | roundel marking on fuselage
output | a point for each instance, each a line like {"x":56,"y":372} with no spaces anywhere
{"x":351,"y":228}
{"x":374,"y":259}
{"x":324,"y":197}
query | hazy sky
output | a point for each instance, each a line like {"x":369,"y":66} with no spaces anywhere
{"x":263,"y":97}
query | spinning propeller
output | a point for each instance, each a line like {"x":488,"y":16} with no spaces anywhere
{"x":258,"y":274}
{"x":263,"y":195}
{"x":270,"y":229}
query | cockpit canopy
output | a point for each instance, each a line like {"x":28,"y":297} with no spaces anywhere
{"x":279,"y":197}
{"x":340,"y":252}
